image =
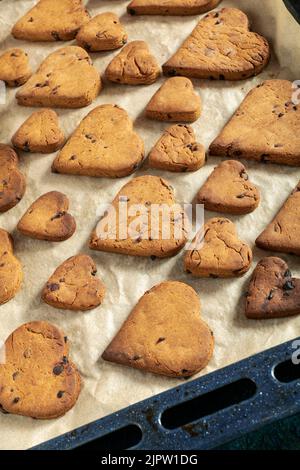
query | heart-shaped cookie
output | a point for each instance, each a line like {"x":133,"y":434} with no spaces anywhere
{"x":176,"y":100}
{"x":104,"y":32}
{"x":143,"y":220}
{"x":272,"y":292}
{"x":171,"y":7}
{"x":73,"y":285}
{"x":220,"y":47}
{"x":47,"y":218}
{"x":51,"y":20}
{"x":12,"y":181}
{"x":134,"y":65}
{"x":56,"y":85}
{"x":229,"y":190}
{"x":11,"y":274}
{"x":164,"y":333}
{"x":36,"y":378}
{"x":222,"y":254}
{"x":39,"y":133}
{"x":14,"y":67}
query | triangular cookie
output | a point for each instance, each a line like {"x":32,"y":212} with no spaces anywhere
{"x":272,"y":292}
{"x":229,"y":190}
{"x":282,"y":234}
{"x":14,"y":67}
{"x":269,"y":132}
{"x":39,"y":133}
{"x":143,"y":220}
{"x":47,"y":218}
{"x":104,"y":144}
{"x":222,"y":254}
{"x":171,"y":7}
{"x":177,"y":150}
{"x":220,"y":47}
{"x":74,"y":285}
{"x":12,"y":181}
{"x":134,"y":65}
{"x":51,"y":20}
{"x":176,"y":100}
{"x":59,"y":83}
{"x":164,"y":333}
{"x":11,"y":274}
{"x":104,"y":32}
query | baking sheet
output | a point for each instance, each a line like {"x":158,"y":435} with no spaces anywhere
{"x":108,"y":387}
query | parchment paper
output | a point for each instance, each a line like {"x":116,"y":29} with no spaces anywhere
{"x":108,"y":387}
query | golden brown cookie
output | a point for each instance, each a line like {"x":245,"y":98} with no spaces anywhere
{"x":153,"y":226}
{"x":51,"y":20}
{"x":134,"y":65}
{"x":11,"y":274}
{"x":176,"y":100}
{"x":73,"y":285}
{"x":177,"y":150}
{"x":47,"y":218}
{"x":14,"y":67}
{"x":12,"y":181}
{"x":104,"y":144}
{"x":229,"y":190}
{"x":273,"y":292}
{"x":222,"y":253}
{"x":282,"y":234}
{"x":56,"y":84}
{"x":266,"y":127}
{"x":220,"y":47}
{"x":39,"y":133}
{"x":37,"y":378}
{"x":171,"y":7}
{"x":104,"y":32}
{"x":164,"y":333}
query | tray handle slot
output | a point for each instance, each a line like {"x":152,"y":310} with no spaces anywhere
{"x":123,"y":438}
{"x":287,"y":371}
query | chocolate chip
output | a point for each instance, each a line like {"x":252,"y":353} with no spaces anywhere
{"x":172,"y":73}
{"x":271,"y":294}
{"x":16,"y":399}
{"x":65,"y":339}
{"x":65,"y":360}
{"x":287,"y":273}
{"x":216,"y":15}
{"x":131,"y":11}
{"x":280,"y":115}
{"x":136,"y":358}
{"x":288,"y":285}
{"x":30,"y":20}
{"x":26,"y":147}
{"x":263,"y":157}
{"x":295,"y":108}
{"x":160,"y":340}
{"x":244,"y":175}
{"x":53,"y":287}
{"x":241,"y":196}
{"x":93,"y":273}
{"x":55,"y":35}
{"x":73,"y":157}
{"x":237,"y":153}
{"x":60,"y":394}
{"x":15,"y":374}
{"x":58,"y":369}
{"x":58,"y":215}
{"x":221,"y":77}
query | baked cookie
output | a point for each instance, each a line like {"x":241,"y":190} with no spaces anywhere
{"x":272,"y":292}
{"x":176,"y":100}
{"x":73,"y":285}
{"x":221,"y":253}
{"x":14,"y":67}
{"x":37,"y":378}
{"x":56,"y":83}
{"x":164,"y":333}
{"x":47,"y":218}
{"x":134,"y":65}
{"x":269,"y":132}
{"x":11,"y":274}
{"x":104,"y":144}
{"x":177,"y":150}
{"x":51,"y":20}
{"x":12,"y":181}
{"x":229,"y":190}
{"x":282,"y":234}
{"x":155,"y":225}
{"x":220,"y":47}
{"x":171,"y":7}
{"x":104,"y":32}
{"x":39,"y":133}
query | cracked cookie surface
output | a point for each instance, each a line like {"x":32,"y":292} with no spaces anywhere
{"x":51,"y":20}
{"x":104,"y":32}
{"x":11,"y":274}
{"x":273,"y":292}
{"x":134,"y":65}
{"x":14,"y":67}
{"x":39,"y":133}
{"x":222,"y":254}
{"x":265,"y":127}
{"x":220,"y":47}
{"x":104,"y":144}
{"x":47,"y":218}
{"x":171,"y":7}
{"x":282,"y":234}
{"x":55,"y":83}
{"x":177,"y":150}
{"x":74,"y":286}
{"x":229,"y":190}
{"x":37,"y":378}
{"x":164,"y":333}
{"x":12,"y":181}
